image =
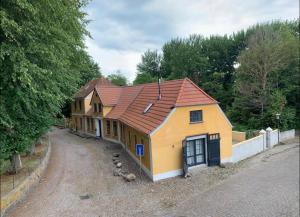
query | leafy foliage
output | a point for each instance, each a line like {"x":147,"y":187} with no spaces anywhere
{"x":259,"y":79}
{"x":42,"y":64}
{"x":118,"y":79}
{"x":269,"y":63}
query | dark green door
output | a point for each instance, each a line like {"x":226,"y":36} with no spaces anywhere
{"x":213,"y":149}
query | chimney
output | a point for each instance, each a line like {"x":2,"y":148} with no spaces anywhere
{"x":159,"y":93}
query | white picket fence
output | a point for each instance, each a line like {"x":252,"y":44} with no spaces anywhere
{"x":266,"y":139}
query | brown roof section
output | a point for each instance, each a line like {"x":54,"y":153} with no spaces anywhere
{"x":146,"y":122}
{"x":109,"y":95}
{"x":174,"y":93}
{"x":191,"y":94}
{"x":126,"y":98}
{"x":89,"y":87}
{"x":130,"y":102}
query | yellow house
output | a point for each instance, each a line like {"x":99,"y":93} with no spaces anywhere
{"x":81,"y":111}
{"x":176,"y":122}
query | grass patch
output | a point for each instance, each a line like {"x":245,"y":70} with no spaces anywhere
{"x":29,"y":162}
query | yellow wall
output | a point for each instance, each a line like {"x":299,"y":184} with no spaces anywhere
{"x":129,"y":143}
{"x":105,"y":109}
{"x":85,"y":104}
{"x":238,"y":136}
{"x":111,"y":135}
{"x":167,"y":141}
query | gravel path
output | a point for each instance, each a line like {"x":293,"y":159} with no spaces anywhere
{"x":266,"y":185}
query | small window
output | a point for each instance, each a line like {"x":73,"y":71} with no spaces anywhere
{"x":115,"y":128}
{"x":108,"y":127}
{"x":95,"y":107}
{"x":99,"y":107}
{"x":147,"y":108}
{"x":81,"y":127}
{"x":88,"y":124}
{"x":75,"y":106}
{"x":80,"y":104}
{"x":195,"y":116}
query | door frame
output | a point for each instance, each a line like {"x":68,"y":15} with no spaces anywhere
{"x":98,"y":123}
{"x":191,"y":138}
{"x":100,"y":127}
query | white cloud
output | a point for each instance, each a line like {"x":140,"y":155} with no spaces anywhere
{"x":123,"y":30}
{"x":111,"y":60}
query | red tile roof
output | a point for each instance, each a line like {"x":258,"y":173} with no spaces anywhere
{"x":89,"y":87}
{"x":126,"y":98}
{"x":174,"y":93}
{"x":131,"y":102}
{"x":191,"y":94}
{"x":109,"y":95}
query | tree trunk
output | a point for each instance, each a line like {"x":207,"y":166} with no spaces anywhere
{"x":32,"y":149}
{"x":16,"y":163}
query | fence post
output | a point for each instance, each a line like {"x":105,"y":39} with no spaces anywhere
{"x":263,"y":133}
{"x":269,"y":130}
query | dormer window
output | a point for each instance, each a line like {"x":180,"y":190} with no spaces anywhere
{"x":148,"y":107}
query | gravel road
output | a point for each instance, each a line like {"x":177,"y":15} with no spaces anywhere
{"x":79,"y":182}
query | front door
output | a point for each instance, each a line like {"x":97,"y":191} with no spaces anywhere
{"x":195,"y":151}
{"x":213,"y":149}
{"x":100,"y":131}
{"x":98,"y":127}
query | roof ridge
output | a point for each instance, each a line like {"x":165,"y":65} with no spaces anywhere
{"x":191,"y":82}
{"x":180,"y":91}
{"x":155,"y":82}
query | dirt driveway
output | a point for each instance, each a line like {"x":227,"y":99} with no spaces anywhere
{"x":266,"y":185}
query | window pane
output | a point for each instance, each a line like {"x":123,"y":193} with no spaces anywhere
{"x":199,"y":146}
{"x":196,"y":116}
{"x":190,"y":148}
{"x":200,"y":158}
{"x":190,"y":160}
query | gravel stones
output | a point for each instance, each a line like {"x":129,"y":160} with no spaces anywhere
{"x":130,"y":177}
{"x":119,"y":165}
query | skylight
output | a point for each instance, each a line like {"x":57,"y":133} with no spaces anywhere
{"x":87,"y":87}
{"x":147,"y":108}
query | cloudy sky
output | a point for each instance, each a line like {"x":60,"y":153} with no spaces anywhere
{"x":123,"y":29}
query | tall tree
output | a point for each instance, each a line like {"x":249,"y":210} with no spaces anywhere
{"x":40,"y":52}
{"x":268,"y":51}
{"x":143,"y":78}
{"x":150,"y":64}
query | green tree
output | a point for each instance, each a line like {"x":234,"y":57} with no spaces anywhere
{"x":143,"y":78}
{"x":41,"y":55}
{"x":269,"y":51}
{"x":118,"y":79}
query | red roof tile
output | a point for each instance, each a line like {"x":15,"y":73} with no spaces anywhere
{"x":89,"y":87}
{"x":127,"y":96}
{"x":131,"y":102}
{"x":174,"y":93}
{"x":191,"y":94}
{"x":109,"y":95}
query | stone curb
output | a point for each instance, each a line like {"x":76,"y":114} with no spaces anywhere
{"x":9,"y":200}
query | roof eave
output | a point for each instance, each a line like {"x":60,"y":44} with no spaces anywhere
{"x":198,"y":104}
